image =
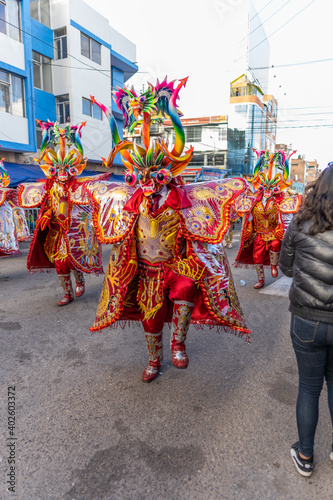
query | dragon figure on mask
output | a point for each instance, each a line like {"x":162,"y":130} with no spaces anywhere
{"x":13,"y":222}
{"x":64,"y":237}
{"x":267,"y":208}
{"x":167,"y":263}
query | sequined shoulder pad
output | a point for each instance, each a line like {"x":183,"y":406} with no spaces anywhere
{"x":208,"y":218}
{"x":244,"y":202}
{"x":3,"y":194}
{"x":111,"y":222}
{"x":31,"y":195}
{"x":290,"y":203}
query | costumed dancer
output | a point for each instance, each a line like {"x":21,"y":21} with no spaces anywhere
{"x":13,"y":223}
{"x":267,"y":207}
{"x":20,"y":220}
{"x":64,"y":237}
{"x":167,"y":262}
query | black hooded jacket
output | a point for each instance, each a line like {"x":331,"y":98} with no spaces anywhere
{"x":309,"y":261}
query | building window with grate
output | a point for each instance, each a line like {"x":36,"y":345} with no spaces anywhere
{"x":10,"y":19}
{"x":11,"y":94}
{"x":40,"y":11}
{"x":63,"y":109}
{"x":42,"y":72}
{"x":91,"y":109}
{"x":90,"y":48}
{"x":60,"y":43}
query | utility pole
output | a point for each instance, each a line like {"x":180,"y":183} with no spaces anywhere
{"x":213,"y":151}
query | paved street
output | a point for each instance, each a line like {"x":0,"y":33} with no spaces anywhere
{"x":88,"y":428}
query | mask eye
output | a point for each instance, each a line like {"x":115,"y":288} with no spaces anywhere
{"x":52,"y":171}
{"x":131,"y":178}
{"x":142,"y":99}
{"x":276,"y":190}
{"x":73,"y":171}
{"x":261,"y":188}
{"x":163,"y":176}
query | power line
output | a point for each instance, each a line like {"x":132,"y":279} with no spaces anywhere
{"x":263,"y":22}
{"x":55,"y":48}
{"x":294,"y":64}
{"x":257,"y":14}
{"x":307,"y":107}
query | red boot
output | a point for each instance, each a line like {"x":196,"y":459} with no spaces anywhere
{"x":274,"y":259}
{"x":65,"y":280}
{"x":79,"y":280}
{"x":261,"y":276}
{"x":154,"y":344}
{"x":181,"y":319}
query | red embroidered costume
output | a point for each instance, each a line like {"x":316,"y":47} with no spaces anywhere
{"x":13,"y":223}
{"x":167,"y":262}
{"x":64,"y":237}
{"x":267,"y":211}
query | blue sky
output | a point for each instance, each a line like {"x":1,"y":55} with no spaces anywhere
{"x":205,"y":41}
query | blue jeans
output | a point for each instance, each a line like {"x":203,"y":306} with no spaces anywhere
{"x":313,"y":346}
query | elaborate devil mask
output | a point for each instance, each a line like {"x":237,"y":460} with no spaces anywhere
{"x":66,"y":159}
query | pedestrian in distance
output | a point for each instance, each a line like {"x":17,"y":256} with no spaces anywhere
{"x":307,"y":257}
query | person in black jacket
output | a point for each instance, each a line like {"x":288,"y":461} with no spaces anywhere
{"x":307,"y":257}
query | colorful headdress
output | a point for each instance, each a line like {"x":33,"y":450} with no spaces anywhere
{"x":271,"y":161}
{"x":145,"y":109}
{"x":4,"y":177}
{"x":69,"y":155}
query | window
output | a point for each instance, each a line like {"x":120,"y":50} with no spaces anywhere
{"x":10,"y":18}
{"x":192,"y":134}
{"x":90,"y":48}
{"x":274,"y":111}
{"x":91,"y":109}
{"x":222,"y":134}
{"x":63,"y":109}
{"x":40,"y":10}
{"x":42,"y":72}
{"x":3,"y":18}
{"x":60,"y":43}
{"x":215,"y":159}
{"x":11,"y":94}
{"x":217,"y":133}
{"x":198,"y":160}
{"x":39,"y":136}
{"x":269,"y":125}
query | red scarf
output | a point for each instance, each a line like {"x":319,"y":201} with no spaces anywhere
{"x":177,"y":200}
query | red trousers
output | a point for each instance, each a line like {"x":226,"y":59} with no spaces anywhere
{"x":261,"y":247}
{"x":176,"y":288}
{"x":64,"y":266}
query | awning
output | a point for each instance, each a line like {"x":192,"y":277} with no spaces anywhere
{"x":32,"y":173}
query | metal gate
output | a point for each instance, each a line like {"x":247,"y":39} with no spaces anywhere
{"x":31,"y":216}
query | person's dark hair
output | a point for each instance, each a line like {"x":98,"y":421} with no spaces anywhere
{"x":318,"y":203}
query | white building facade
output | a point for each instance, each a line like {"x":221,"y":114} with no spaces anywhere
{"x":55,"y":54}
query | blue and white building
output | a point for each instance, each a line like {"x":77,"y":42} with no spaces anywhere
{"x":55,"y":54}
